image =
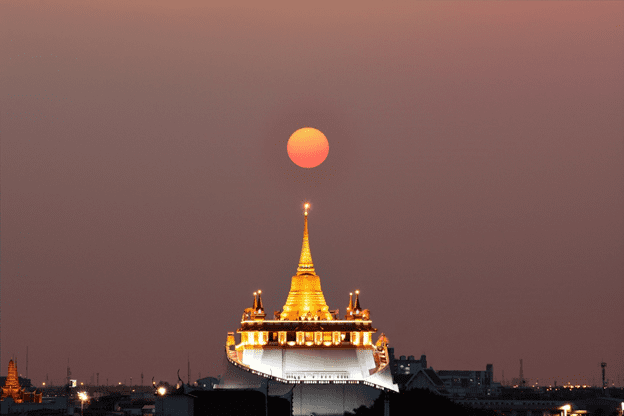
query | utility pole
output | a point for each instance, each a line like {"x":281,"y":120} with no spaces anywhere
{"x":68,"y":372}
{"x":386,"y":403}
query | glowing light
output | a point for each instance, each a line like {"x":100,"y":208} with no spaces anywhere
{"x":83,"y":396}
{"x":307,"y":147}
{"x":566,"y":409}
{"x":162,"y":391}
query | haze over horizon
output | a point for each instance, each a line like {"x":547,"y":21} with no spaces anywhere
{"x":473,"y":191}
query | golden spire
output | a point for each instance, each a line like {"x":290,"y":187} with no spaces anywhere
{"x":306,"y":266}
{"x":357,"y":306}
{"x":305,"y":296}
{"x":350,"y":307}
{"x":255,"y":301}
{"x":259,"y":306}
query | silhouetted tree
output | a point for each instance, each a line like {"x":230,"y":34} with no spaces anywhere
{"x":418,"y":402}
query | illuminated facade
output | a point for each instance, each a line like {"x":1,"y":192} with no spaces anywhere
{"x":307,"y":343}
{"x":13,"y":389}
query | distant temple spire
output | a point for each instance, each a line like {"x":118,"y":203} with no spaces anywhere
{"x":306,"y":266}
{"x":12,"y":380}
{"x":13,"y":389}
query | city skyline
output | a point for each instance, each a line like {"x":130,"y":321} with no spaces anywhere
{"x":473,"y":192}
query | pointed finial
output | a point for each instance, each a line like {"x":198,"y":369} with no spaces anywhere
{"x":358,"y":308}
{"x":259,"y":305}
{"x":350,"y":307}
{"x":305,"y":261}
{"x":255,"y":301}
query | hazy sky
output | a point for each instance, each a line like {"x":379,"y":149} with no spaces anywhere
{"x":473,"y":192}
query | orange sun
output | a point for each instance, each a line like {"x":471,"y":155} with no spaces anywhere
{"x":307,"y":147}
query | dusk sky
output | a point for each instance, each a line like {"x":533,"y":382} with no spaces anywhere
{"x":473,"y":191}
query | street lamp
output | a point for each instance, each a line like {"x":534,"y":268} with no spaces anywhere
{"x":566,"y":409}
{"x":83,"y":398}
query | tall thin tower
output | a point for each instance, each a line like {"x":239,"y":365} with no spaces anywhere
{"x":0,"y":314}
{"x":604,"y":380}
{"x":522,"y":382}
{"x":68,"y":373}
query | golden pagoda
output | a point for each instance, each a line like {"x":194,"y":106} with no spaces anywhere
{"x":305,"y":299}
{"x":13,"y":389}
{"x":306,"y":342}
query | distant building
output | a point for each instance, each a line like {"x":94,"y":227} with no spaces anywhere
{"x":409,"y":373}
{"x":13,"y":390}
{"x":470,"y":383}
{"x":207,"y":383}
{"x":403,"y":365}
{"x":425,"y":378}
{"x":53,"y":405}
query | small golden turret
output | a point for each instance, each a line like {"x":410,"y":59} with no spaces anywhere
{"x":257,"y":313}
{"x":356,"y":312}
{"x":350,"y":307}
{"x":382,"y":341}
{"x":357,"y":307}
{"x":259,"y":307}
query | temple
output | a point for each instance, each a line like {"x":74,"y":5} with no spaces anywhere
{"x":306,"y":343}
{"x":13,"y":389}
